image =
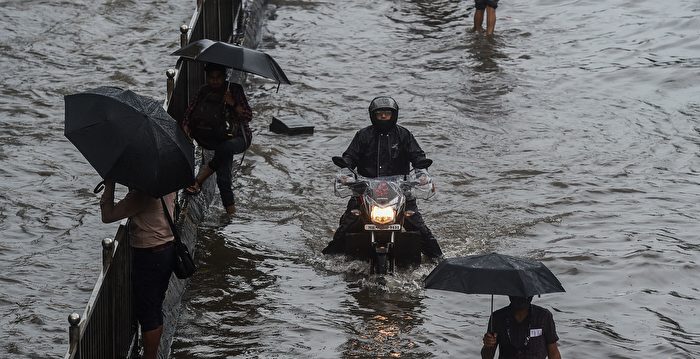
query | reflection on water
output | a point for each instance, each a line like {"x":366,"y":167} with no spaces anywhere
{"x":485,"y":53}
{"x":385,"y":324}
{"x":215,"y":310}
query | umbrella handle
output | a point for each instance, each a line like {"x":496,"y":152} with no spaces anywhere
{"x":228,"y":88}
{"x":100,"y":186}
{"x":491,"y":319}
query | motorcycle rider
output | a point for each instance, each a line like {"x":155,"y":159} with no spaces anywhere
{"x":384,"y":149}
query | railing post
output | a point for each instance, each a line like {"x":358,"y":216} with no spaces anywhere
{"x":170,"y":73}
{"x":183,"y":35}
{"x":73,"y":331}
{"x":218,"y":21}
{"x":107,"y":253}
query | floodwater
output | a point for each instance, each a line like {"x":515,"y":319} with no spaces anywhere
{"x":50,"y":251}
{"x":570,"y":137}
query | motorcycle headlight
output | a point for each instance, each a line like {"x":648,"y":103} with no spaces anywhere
{"x":381,"y":215}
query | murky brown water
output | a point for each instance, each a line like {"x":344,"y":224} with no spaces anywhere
{"x":571,"y":137}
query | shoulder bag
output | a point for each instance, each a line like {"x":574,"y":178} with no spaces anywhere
{"x":184,"y":264}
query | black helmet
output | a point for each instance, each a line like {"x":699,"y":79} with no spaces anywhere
{"x":385,"y":103}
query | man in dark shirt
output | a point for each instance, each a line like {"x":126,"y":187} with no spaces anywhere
{"x":218,"y":118}
{"x":521,"y":330}
{"x":384,"y":149}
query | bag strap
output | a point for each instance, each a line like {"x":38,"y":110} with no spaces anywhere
{"x":178,"y":209}
{"x":170,"y":220}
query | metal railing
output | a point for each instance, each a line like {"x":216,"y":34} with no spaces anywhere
{"x":221,"y":20}
{"x":107,"y":327}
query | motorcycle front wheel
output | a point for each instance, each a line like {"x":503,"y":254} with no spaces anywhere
{"x":379,"y":264}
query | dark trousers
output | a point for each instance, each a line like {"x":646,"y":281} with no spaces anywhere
{"x":222,"y":164}
{"x":429,"y":245}
{"x":150,"y":277}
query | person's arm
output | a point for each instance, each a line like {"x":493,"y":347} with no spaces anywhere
{"x":185,"y":124}
{"x":352,"y":153}
{"x":488,"y":351}
{"x":550,"y":336}
{"x":553,"y":351}
{"x":235,"y":97}
{"x":415,"y":153}
{"x":127,"y":207}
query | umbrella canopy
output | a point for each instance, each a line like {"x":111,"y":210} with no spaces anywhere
{"x":130,"y":139}
{"x":236,"y":57}
{"x":493,"y":274}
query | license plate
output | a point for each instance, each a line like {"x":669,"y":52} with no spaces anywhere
{"x":388,"y":227}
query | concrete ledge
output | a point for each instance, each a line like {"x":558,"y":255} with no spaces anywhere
{"x":291,"y":125}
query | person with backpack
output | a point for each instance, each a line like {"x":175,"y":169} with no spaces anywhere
{"x":218,"y":119}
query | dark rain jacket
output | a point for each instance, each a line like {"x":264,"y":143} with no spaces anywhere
{"x":205,"y":101}
{"x":378,"y":154}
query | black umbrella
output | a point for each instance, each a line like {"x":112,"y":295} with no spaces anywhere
{"x":130,"y":139}
{"x":493,"y":273}
{"x":236,"y":57}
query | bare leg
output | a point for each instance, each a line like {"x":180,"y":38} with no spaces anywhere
{"x":151,"y":341}
{"x":478,"y":20}
{"x":490,"y":20}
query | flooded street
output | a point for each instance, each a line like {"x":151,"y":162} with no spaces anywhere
{"x":570,"y":137}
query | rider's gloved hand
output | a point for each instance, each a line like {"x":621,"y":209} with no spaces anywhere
{"x":346,"y":179}
{"x":423,"y":180}
{"x":422,"y":177}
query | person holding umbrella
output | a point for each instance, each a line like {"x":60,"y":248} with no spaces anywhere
{"x":218,"y":119}
{"x":521,"y":330}
{"x":153,"y":253}
{"x":204,"y":120}
{"x":130,"y":139}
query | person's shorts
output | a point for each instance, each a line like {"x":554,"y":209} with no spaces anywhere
{"x":481,"y":4}
{"x":150,"y":276}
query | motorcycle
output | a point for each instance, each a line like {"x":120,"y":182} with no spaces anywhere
{"x":378,"y":234}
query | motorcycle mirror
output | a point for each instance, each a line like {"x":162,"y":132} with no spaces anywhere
{"x":340,"y":162}
{"x":423,"y":163}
